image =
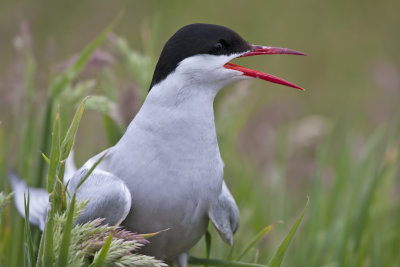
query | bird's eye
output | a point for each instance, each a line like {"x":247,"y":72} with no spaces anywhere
{"x":220,"y":45}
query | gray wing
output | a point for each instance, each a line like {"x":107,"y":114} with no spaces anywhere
{"x":38,"y":200}
{"x":224,"y":214}
{"x":108,"y":196}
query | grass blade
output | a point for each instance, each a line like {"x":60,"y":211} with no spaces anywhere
{"x":90,"y":171}
{"x":207,"y":237}
{"x":46,"y":159}
{"x":39,"y":260}
{"x":47,"y":239}
{"x":257,"y":238}
{"x":54,"y":154}
{"x":29,"y":253}
{"x":100,"y":259}
{"x":280,"y":253}
{"x":68,"y":141}
{"x":44,"y":143}
{"x":148,"y":235}
{"x":66,"y":237}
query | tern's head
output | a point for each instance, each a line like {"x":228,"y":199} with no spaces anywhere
{"x":201,"y":54}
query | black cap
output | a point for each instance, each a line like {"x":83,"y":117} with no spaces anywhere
{"x":197,"y":39}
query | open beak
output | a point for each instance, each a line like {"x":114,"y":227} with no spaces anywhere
{"x":265,"y":50}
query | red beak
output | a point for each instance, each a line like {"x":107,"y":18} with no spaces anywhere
{"x":265,"y":50}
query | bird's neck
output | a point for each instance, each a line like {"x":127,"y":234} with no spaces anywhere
{"x":181,"y":91}
{"x":178,"y":112}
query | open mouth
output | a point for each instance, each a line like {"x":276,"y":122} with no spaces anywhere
{"x":265,"y":50}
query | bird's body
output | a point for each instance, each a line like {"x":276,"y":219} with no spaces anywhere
{"x":179,"y":150}
{"x":166,"y":172}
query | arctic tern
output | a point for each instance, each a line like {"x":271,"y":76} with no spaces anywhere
{"x":166,"y":171}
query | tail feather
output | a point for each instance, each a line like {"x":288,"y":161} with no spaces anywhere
{"x":38,"y":200}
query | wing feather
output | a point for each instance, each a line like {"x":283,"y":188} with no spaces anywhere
{"x":224,"y":214}
{"x":108,"y":196}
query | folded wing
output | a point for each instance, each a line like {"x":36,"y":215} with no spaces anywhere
{"x":224,"y":214}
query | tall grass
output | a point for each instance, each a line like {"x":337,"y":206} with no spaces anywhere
{"x":353,"y":218}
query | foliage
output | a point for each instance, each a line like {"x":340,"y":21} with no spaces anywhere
{"x":87,"y":241}
{"x":4,"y":200}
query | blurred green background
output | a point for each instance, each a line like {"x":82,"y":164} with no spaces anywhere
{"x":279,"y":144}
{"x":352,"y":45}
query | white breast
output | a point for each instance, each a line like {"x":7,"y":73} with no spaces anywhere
{"x":170,"y":161}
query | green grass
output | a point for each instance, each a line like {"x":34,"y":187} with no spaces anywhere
{"x":351,"y":219}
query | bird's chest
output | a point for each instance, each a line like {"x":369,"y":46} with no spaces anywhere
{"x":194,"y":158}
{"x":179,"y":161}
{"x":173,"y":181}
{"x":190,"y":167}
{"x":178,"y":149}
